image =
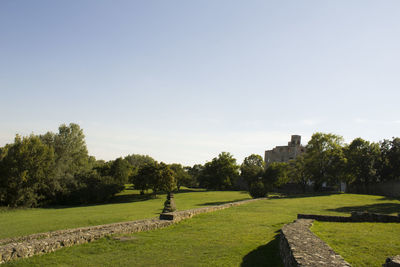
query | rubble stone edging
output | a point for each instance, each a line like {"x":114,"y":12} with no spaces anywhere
{"x":300,"y":247}
{"x":177,"y":216}
{"x":355,"y":217}
{"x":27,"y":246}
{"x":392,"y":262}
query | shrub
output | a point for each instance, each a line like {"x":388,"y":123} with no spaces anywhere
{"x":91,"y":187}
{"x":257,"y":190}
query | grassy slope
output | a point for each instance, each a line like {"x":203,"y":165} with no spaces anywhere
{"x":19,"y":222}
{"x":245,"y":235}
{"x":361,"y":244}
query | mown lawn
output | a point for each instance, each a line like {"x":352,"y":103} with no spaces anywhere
{"x":246,"y":235}
{"x":361,"y":244}
{"x":127,"y":206}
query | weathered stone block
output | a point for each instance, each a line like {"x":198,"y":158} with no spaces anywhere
{"x":392,"y":262}
{"x":300,"y":247}
{"x":6,"y":255}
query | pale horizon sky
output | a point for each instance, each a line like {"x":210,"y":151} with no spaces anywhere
{"x":182,"y":81}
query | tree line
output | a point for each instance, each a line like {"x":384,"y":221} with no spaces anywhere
{"x":55,"y":168}
{"x":327,"y":162}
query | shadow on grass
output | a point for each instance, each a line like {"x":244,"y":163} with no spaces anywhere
{"x":190,"y":190}
{"x":220,"y":202}
{"x":128,"y":198}
{"x":385,"y":208}
{"x":317,"y":194}
{"x":119,"y":199}
{"x":385,"y":198}
{"x":265,"y":255}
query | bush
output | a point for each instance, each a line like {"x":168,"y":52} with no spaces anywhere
{"x":91,"y":187}
{"x":257,"y":190}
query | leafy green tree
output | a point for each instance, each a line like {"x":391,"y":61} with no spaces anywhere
{"x":324,"y":159}
{"x":155,"y":176}
{"x":195,"y":172}
{"x":102,"y":167}
{"x":26,"y":169}
{"x":220,"y":173}
{"x":121,"y":170}
{"x":275,"y":175}
{"x":252,"y":169}
{"x":142,"y":180}
{"x":389,"y":164}
{"x":70,"y":150}
{"x":137,"y":162}
{"x":362,"y":157}
{"x":297,"y":172}
{"x":71,"y":158}
{"x":181,"y":175}
{"x":92,"y":187}
{"x":166,"y":177}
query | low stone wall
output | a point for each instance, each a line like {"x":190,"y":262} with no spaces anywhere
{"x":27,"y":246}
{"x":185,"y":214}
{"x":355,"y":217}
{"x":392,"y":262}
{"x":47,"y":242}
{"x":300,"y":247}
{"x":324,"y":218}
{"x":297,"y":242}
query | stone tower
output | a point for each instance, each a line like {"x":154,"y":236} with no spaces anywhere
{"x":285,"y":153}
{"x":295,"y":141}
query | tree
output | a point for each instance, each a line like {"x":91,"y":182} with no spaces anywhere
{"x":137,"y":162}
{"x":220,"y":173}
{"x":389,"y":164}
{"x":70,"y":150}
{"x":142,"y":180}
{"x":71,"y":158}
{"x":362,"y":157}
{"x":92,"y":187}
{"x":155,"y":176}
{"x":195,"y":172}
{"x":121,"y":170}
{"x":324,"y":159}
{"x":252,"y":169}
{"x":275,"y":175}
{"x":181,"y":175}
{"x":166,"y":178}
{"x":26,"y":169}
{"x":297,"y":172}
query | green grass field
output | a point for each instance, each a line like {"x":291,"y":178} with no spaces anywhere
{"x":127,"y":206}
{"x":361,"y":244}
{"x":246,"y":235}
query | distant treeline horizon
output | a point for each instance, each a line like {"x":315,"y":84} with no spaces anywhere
{"x":56,"y":168}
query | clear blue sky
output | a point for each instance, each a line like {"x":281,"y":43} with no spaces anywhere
{"x":182,"y":80}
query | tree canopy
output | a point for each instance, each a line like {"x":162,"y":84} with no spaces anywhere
{"x":252,"y":168}
{"x":220,"y":173}
{"x":324,"y":159}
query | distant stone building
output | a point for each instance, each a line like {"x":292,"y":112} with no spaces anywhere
{"x":285,"y":153}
